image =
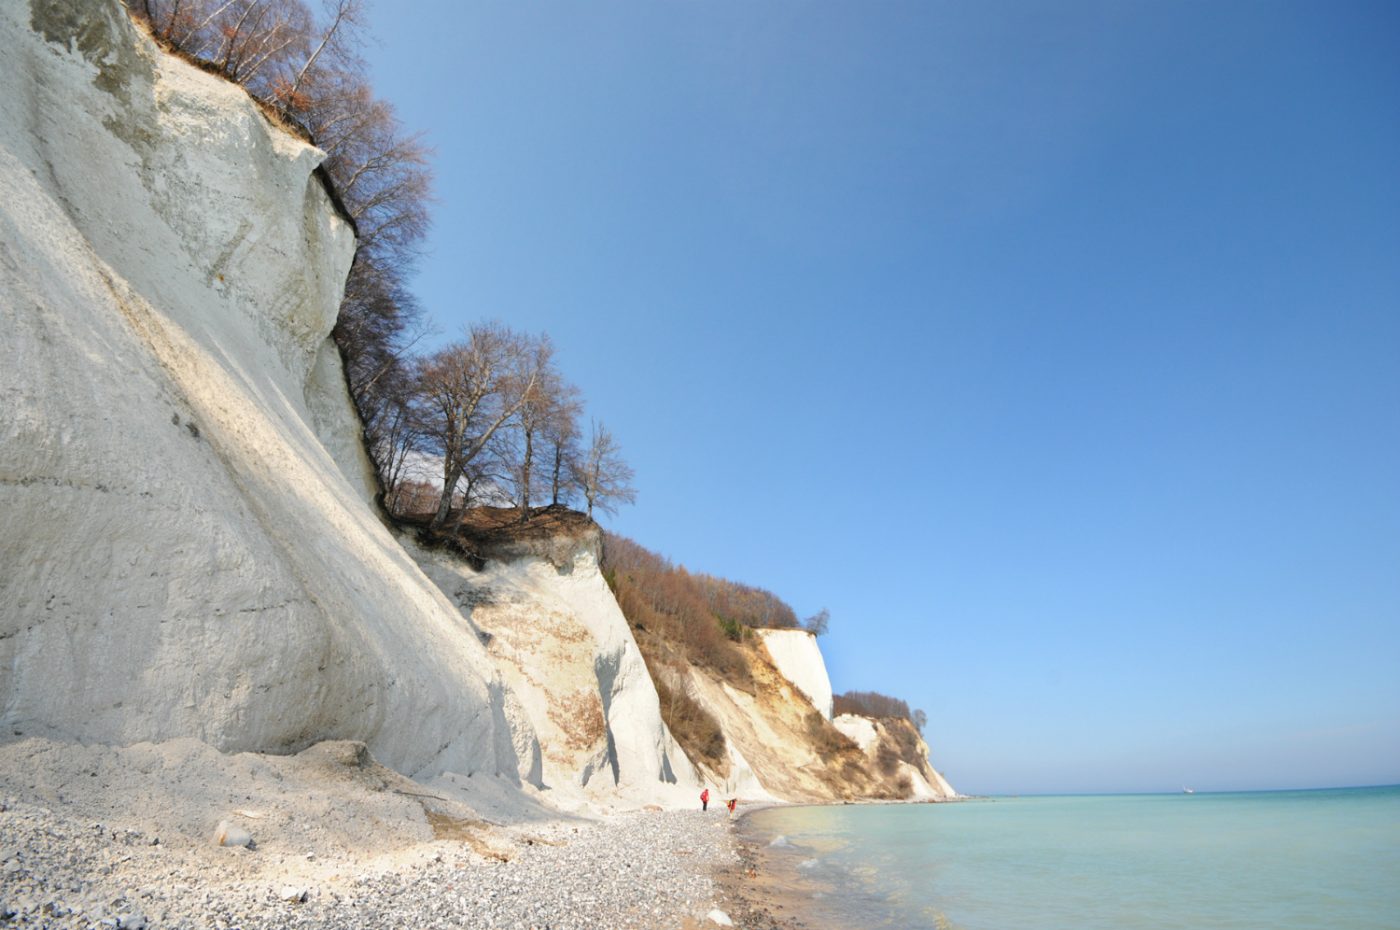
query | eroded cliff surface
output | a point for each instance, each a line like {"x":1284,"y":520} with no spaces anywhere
{"x":578,"y":690}
{"x":797,"y":656}
{"x":779,"y":746}
{"x":182,"y":555}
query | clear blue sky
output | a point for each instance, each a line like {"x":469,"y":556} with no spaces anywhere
{"x":1055,"y":347}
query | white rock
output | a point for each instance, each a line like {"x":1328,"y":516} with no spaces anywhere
{"x":573,"y":669}
{"x":230,"y":834}
{"x":718,"y":916}
{"x":860,"y":729}
{"x":185,"y":490}
{"x":797,"y":656}
{"x":292,"y":893}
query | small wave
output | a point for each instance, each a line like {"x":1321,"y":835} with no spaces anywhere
{"x":782,"y":842}
{"x":808,"y":863}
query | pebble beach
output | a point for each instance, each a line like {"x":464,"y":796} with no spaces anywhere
{"x":130,"y":838}
{"x":642,"y":870}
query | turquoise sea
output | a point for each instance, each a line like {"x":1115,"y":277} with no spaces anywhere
{"x":1277,"y":860}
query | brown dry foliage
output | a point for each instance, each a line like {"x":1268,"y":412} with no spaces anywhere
{"x":681,"y":619}
{"x":694,"y":727}
{"x":870,"y":704}
{"x":906,"y":738}
{"x":698,"y":618}
{"x":886,"y":759}
{"x":825,"y":739}
{"x":670,"y":612}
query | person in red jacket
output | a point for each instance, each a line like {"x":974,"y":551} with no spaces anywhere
{"x":705,"y":800}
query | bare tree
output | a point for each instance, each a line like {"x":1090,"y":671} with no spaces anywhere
{"x":396,"y":438}
{"x":490,"y":475}
{"x":536,"y":402}
{"x":561,"y":435}
{"x":468,"y":391}
{"x":818,"y":623}
{"x":548,"y":427}
{"x":336,"y":42}
{"x":603,"y":478}
{"x":256,"y":43}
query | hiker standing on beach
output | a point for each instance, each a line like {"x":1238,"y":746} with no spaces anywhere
{"x":732,"y":803}
{"x":705,"y":800}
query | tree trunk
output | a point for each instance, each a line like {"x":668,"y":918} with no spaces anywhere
{"x":445,"y":503}
{"x":525,"y":476}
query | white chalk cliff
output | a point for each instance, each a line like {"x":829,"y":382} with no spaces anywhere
{"x":182,"y":555}
{"x":190,"y":547}
{"x":796,"y":654}
{"x":871,"y":733}
{"x":576,"y":681}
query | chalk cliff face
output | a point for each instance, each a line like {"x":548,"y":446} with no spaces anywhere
{"x":576,"y":680}
{"x":897,"y":747}
{"x":190,"y":546}
{"x":797,"y":656}
{"x":780,"y":746}
{"x":182,"y":555}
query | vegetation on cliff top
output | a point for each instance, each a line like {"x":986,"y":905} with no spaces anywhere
{"x":875,"y":704}
{"x":491,"y":420}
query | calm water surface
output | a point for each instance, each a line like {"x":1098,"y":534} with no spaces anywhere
{"x":1287,"y":860}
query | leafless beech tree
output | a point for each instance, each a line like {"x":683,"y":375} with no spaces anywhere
{"x":275,"y":48}
{"x":396,"y":438}
{"x":547,"y":421}
{"x":603,"y":478}
{"x":871,"y":704}
{"x":468,"y":391}
{"x":561,"y":436}
{"x":490,"y":475}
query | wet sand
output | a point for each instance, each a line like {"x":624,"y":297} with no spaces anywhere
{"x":768,"y":889}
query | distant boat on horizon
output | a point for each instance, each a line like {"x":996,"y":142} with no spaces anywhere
{"x":1186,"y":790}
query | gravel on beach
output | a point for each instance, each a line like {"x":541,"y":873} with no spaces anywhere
{"x":647,"y":869}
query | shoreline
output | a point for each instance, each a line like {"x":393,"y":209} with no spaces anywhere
{"x":124,"y":837}
{"x":769,"y":889}
{"x":758,"y":896}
